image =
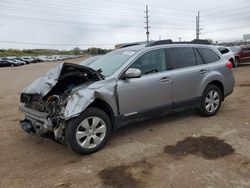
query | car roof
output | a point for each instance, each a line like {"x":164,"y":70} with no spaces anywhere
{"x":142,"y":47}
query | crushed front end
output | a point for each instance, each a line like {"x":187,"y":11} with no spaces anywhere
{"x":46,"y":101}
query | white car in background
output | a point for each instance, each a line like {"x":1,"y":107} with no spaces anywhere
{"x":228,"y":54}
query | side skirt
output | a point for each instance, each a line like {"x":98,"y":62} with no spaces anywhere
{"x":123,"y":120}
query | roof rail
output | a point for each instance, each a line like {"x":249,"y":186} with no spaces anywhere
{"x":169,"y":41}
{"x":130,"y":44}
{"x":200,"y":41}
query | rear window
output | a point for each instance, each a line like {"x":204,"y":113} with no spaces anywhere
{"x":223,"y":50}
{"x":209,"y":55}
{"x":182,"y":57}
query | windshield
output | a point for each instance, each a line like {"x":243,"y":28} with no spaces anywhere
{"x":235,"y":49}
{"x":88,"y":61}
{"x":111,"y":62}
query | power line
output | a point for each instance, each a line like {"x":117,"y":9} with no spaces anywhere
{"x":227,"y":29}
{"x":45,"y":44}
{"x":86,"y":24}
{"x":88,"y":9}
{"x":223,"y":6}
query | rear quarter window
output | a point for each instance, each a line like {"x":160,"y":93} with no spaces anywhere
{"x":223,"y":50}
{"x":209,"y":55}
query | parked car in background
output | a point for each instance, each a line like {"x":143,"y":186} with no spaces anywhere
{"x":4,"y":63}
{"x":228,"y":54}
{"x":43,"y":58}
{"x":90,"y":60}
{"x":27,"y":59}
{"x":241,"y":53}
{"x":82,"y":105}
{"x":20,"y":59}
{"x":13,"y":62}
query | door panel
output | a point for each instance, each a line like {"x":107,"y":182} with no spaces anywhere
{"x":245,"y":55}
{"x":151,"y":90}
{"x":186,"y":82}
{"x":187,"y":75}
{"x":147,"y":92}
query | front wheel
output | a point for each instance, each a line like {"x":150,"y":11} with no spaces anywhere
{"x":211,"y":101}
{"x":89,"y":132}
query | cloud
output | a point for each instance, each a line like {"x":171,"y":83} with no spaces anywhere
{"x":104,"y":23}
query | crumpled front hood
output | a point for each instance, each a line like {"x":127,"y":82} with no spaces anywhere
{"x":81,"y":95}
{"x":43,"y":85}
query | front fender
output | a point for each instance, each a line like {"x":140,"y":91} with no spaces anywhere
{"x":80,"y":99}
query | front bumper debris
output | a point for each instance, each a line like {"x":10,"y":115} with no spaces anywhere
{"x":33,"y":114}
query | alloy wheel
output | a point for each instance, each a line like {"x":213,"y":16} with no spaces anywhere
{"x":212,"y":101}
{"x":91,"y":132}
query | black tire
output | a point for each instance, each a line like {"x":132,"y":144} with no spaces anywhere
{"x":73,"y":125}
{"x":203,"y":110}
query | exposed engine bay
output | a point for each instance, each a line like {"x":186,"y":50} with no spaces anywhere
{"x":49,"y":95}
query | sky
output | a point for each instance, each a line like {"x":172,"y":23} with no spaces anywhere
{"x":65,"y":24}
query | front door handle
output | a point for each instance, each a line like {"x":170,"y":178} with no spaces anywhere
{"x":203,"y":71}
{"x":165,"y":79}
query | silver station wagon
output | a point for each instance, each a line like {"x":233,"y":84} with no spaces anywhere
{"x":81,"y":106}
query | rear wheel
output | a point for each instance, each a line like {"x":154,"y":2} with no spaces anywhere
{"x":211,"y":101}
{"x":89,"y":132}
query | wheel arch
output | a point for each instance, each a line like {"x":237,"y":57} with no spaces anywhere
{"x":219,"y":85}
{"x":103,"y":105}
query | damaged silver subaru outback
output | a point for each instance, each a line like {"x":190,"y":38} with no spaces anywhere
{"x":81,"y":106}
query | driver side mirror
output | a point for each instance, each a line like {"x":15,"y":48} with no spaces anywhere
{"x":132,"y":73}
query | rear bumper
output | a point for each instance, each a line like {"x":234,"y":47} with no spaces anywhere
{"x":229,"y":87}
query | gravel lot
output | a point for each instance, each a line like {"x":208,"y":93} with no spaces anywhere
{"x":140,"y":155}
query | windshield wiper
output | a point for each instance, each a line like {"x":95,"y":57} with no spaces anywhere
{"x":99,"y":71}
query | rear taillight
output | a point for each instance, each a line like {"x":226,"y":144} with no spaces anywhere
{"x":229,"y":65}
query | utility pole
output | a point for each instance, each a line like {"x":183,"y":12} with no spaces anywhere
{"x":179,"y":39}
{"x":147,"y":24}
{"x":198,"y":29}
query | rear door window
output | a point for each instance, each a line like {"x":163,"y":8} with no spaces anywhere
{"x":209,"y":55}
{"x":182,"y":57}
{"x":199,"y":59}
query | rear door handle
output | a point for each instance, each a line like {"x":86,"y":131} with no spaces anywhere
{"x":203,"y":71}
{"x":165,"y":79}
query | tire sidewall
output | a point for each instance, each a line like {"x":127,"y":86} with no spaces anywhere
{"x":72,"y":126}
{"x":203,"y":105}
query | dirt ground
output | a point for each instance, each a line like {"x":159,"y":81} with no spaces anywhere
{"x":181,"y":150}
